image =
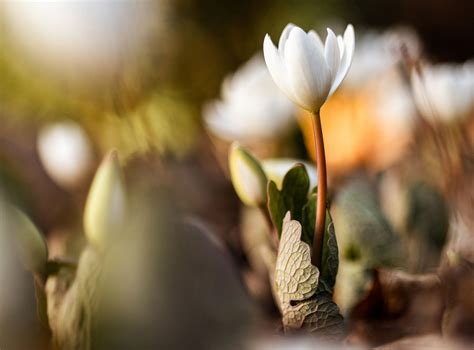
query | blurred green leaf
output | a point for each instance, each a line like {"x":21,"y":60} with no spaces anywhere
{"x":428,"y":216}
{"x":363,"y":232}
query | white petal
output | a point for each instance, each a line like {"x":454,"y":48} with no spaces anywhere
{"x":346,"y":59}
{"x":314,"y":36}
{"x":276,"y":66}
{"x":308,"y":74}
{"x":340,"y":43}
{"x":284,"y":36}
{"x":331,"y":53}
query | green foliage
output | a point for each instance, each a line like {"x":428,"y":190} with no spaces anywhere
{"x":330,"y":253}
{"x":365,"y":238}
{"x":292,"y":197}
{"x":428,"y":215}
{"x":363,"y":229}
{"x":426,"y":227}
{"x":302,"y":302}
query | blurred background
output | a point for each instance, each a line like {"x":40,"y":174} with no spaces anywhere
{"x":170,"y":84}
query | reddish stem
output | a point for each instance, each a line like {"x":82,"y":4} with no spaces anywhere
{"x":316,"y":254}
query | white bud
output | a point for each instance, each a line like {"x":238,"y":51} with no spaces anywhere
{"x":106,"y":203}
{"x":248,"y":177}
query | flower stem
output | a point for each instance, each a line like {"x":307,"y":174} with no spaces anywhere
{"x":316,"y":255}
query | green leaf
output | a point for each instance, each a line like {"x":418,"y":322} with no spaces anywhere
{"x":324,"y":318}
{"x":309,"y":219}
{"x":292,"y":196}
{"x":330,"y":254}
{"x":363,"y":232}
{"x":276,"y":205}
{"x":426,"y":227}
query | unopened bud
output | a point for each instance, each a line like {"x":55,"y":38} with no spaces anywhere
{"x":248,"y":177}
{"x":106,"y":203}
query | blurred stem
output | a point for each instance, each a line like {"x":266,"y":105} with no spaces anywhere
{"x":322,"y":190}
{"x":271,"y":228}
{"x":54,"y":265}
{"x":41,"y":300}
{"x":426,"y":125}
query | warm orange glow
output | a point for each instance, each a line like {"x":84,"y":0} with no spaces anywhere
{"x":353,"y":134}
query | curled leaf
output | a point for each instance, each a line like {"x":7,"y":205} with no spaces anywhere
{"x":295,"y":277}
{"x":296,"y":282}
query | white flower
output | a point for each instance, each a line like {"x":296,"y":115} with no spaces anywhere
{"x":65,"y":152}
{"x":392,"y":102}
{"x":276,"y":169}
{"x":252,"y":107}
{"x":307,"y":71}
{"x":445,"y":92}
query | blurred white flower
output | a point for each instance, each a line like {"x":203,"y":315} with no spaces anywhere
{"x":386,"y":97}
{"x":392,"y":101}
{"x":65,"y":152}
{"x":276,"y":169}
{"x":91,"y":38}
{"x":307,"y":71}
{"x":251,"y":108}
{"x":378,"y":52}
{"x":445,"y":92}
{"x":375,"y":67}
